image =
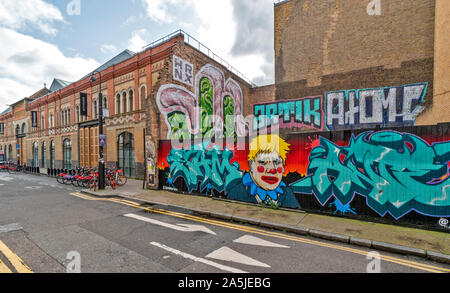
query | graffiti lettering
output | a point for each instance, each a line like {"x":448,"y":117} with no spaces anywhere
{"x":396,"y":172}
{"x":392,"y":106}
{"x":183,"y":71}
{"x":305,"y":112}
{"x":209,"y":167}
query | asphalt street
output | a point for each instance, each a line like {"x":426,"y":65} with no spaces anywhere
{"x":53,"y":228}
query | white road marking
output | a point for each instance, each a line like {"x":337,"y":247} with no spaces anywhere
{"x":251,"y":240}
{"x":179,"y":227}
{"x":6,"y":178}
{"x":10,"y":228}
{"x":198,"y":259}
{"x":227,"y":254}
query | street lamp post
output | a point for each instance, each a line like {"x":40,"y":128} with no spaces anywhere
{"x":101,"y":162}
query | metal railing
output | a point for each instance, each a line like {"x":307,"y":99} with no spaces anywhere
{"x":193,"y":42}
{"x":276,"y":2}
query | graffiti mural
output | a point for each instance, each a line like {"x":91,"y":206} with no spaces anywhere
{"x":390,"y":106}
{"x":396,"y":172}
{"x":202,"y":113}
{"x":386,"y":174}
{"x":306,"y":112}
{"x":264,"y":182}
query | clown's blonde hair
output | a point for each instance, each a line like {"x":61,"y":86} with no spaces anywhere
{"x":268,"y":144}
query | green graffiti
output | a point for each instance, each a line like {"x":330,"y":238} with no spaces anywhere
{"x":206,"y":107}
{"x":178,"y":124}
{"x":228,"y":117}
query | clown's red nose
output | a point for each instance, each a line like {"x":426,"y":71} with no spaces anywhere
{"x":273,"y":171}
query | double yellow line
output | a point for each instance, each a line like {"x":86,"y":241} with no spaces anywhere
{"x":14,"y":260}
{"x":407,"y":263}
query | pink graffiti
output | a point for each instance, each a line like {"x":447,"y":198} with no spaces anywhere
{"x":173,"y":98}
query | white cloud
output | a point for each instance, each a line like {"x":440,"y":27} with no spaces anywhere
{"x":29,"y":14}
{"x":137,"y":41}
{"x":27,"y":63}
{"x":158,"y":10}
{"x":108,"y":49}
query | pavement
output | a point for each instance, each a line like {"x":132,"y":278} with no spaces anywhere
{"x":391,"y":238}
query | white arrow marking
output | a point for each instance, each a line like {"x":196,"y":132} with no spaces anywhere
{"x":198,"y":259}
{"x":251,"y":240}
{"x":179,"y":227}
{"x":6,"y":178}
{"x":228,"y":254}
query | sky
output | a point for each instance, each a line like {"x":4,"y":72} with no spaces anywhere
{"x":67,"y":39}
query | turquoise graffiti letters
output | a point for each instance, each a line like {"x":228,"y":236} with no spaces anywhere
{"x":209,"y":167}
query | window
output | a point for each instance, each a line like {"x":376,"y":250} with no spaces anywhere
{"x":35,"y":150}
{"x":77,"y":113}
{"x":143,"y":96}
{"x":10,"y":153}
{"x":17,"y":130}
{"x":125,"y":150}
{"x":95,"y":109}
{"x":105,"y":103}
{"x":51,"y":121}
{"x":124,"y":102}
{"x":130,"y":100}
{"x":118,"y":104}
{"x":24,"y":128}
{"x":42,"y":122}
{"x":52,"y":155}
{"x":67,"y":154}
{"x":68,"y":117}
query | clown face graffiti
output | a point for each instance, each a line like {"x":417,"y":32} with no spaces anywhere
{"x":267,"y":170}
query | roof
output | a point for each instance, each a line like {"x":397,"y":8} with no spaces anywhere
{"x":58,"y":84}
{"x":125,"y":55}
{"x":8,"y":110}
{"x":42,"y":92}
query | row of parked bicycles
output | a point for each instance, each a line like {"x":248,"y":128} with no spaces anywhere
{"x":13,"y":168}
{"x":80,"y":177}
{"x":89,"y":178}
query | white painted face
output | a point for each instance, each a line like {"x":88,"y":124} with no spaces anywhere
{"x":267,"y":170}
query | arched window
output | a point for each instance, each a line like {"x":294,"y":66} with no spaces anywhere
{"x":118,"y":104}
{"x":51,"y":121}
{"x":24,"y":128}
{"x":42,"y":121}
{"x":95,"y":109}
{"x":125,"y":150}
{"x":10,"y":153}
{"x":124,"y":95}
{"x":68,"y":117}
{"x":105,"y":103}
{"x":44,"y":155}
{"x":143,"y":96}
{"x":52,"y":155}
{"x":77,"y":113}
{"x":35,"y":150}
{"x":67,"y":154}
{"x":130,"y":101}
{"x":17,"y":130}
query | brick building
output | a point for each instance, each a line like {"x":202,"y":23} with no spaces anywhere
{"x":333,"y":48}
{"x":62,"y":138}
